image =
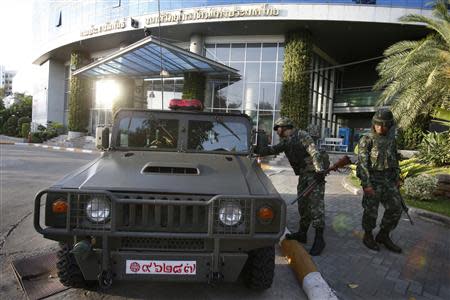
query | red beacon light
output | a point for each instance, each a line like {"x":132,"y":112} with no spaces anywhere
{"x":186,"y":104}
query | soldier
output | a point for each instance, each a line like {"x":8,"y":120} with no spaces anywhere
{"x":306,"y":161}
{"x":379,"y":172}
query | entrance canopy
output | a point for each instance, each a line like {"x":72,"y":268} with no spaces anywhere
{"x":149,"y":56}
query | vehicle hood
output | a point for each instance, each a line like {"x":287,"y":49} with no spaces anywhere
{"x":128,"y":171}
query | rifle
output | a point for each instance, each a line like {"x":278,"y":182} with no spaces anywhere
{"x":405,"y":208}
{"x":342,"y":162}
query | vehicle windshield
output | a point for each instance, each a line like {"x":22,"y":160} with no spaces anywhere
{"x":176,"y":131}
{"x":217,"y":135}
{"x":144,"y":131}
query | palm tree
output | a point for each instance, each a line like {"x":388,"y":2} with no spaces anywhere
{"x":415,"y":75}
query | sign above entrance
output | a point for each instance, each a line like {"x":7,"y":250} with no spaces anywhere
{"x":214,"y":13}
{"x":180,"y":16}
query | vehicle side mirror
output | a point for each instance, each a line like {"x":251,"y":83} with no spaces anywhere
{"x":262,"y":141}
{"x":102,"y":137}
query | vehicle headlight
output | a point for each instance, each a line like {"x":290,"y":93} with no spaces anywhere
{"x":98,"y":210}
{"x":230,"y":213}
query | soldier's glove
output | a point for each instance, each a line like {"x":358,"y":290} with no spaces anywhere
{"x":320,"y":176}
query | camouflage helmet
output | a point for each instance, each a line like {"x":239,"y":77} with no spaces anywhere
{"x":383,"y":117}
{"x":283,"y":122}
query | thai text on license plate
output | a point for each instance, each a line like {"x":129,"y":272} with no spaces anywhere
{"x":169,"y":267}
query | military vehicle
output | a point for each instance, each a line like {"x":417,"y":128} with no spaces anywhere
{"x":174,"y":196}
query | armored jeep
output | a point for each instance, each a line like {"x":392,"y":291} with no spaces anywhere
{"x":174,"y":196}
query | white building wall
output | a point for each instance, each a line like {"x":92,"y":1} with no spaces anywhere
{"x":40,"y":96}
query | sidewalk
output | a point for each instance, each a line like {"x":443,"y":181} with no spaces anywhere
{"x":355,"y":272}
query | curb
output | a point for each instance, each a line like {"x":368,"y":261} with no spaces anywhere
{"x":313,"y":284}
{"x":75,"y":150}
{"x":349,"y":187}
{"x":430,"y":216}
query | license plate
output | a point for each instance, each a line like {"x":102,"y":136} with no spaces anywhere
{"x":162,"y":267}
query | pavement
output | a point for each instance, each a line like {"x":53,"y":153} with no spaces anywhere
{"x":422,"y":271}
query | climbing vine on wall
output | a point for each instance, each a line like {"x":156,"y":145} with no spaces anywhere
{"x":296,"y":78}
{"x":79,"y":99}
{"x":194,"y":86}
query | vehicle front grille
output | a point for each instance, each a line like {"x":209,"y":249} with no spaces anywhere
{"x":132,"y":243}
{"x":160,"y":217}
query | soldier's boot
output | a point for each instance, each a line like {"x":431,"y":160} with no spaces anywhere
{"x":300,"y":236}
{"x":319,"y":243}
{"x":383,"y":238}
{"x":370,"y":242}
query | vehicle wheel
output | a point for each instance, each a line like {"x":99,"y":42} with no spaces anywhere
{"x":68,"y":271}
{"x":259,"y":268}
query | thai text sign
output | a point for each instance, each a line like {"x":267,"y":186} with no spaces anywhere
{"x":163,"y":267}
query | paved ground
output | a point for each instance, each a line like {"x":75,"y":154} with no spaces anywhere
{"x":25,"y":170}
{"x":355,"y":272}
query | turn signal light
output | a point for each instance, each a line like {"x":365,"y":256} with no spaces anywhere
{"x":265,"y":214}
{"x":59,"y":207}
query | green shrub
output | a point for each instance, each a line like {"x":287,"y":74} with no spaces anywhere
{"x":435,"y":148}
{"x":10,"y":126}
{"x":420,"y":187}
{"x":25,"y":130}
{"x":36,"y":137}
{"x":23,"y":120}
{"x":410,"y":138}
{"x":58,"y":127}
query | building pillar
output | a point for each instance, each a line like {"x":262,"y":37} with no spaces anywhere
{"x":196,"y":44}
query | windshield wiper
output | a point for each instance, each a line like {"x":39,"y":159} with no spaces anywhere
{"x":218,"y":120}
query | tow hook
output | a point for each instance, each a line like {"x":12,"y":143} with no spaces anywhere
{"x":214,"y":277}
{"x":105,"y":279}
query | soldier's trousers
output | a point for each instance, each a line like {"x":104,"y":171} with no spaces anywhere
{"x":311,"y":208}
{"x":388,"y":195}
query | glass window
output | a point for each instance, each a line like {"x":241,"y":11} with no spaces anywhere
{"x":223,"y":53}
{"x":234,"y":96}
{"x":147,"y":132}
{"x":265,"y":122}
{"x":269,"y":52}
{"x":237,"y":52}
{"x":280,"y":72}
{"x":251,"y":96}
{"x":210,"y":51}
{"x":266,"y":96}
{"x":253,"y":52}
{"x":280,"y":52}
{"x":252,"y":72}
{"x":238,"y":66}
{"x":217,"y":136}
{"x":58,"y":19}
{"x":268,"y":72}
{"x":278,"y":95}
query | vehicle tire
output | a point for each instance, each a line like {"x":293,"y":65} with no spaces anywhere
{"x":68,"y":271}
{"x":259,"y":268}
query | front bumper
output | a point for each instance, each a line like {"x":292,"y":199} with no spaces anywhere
{"x":229,"y":266}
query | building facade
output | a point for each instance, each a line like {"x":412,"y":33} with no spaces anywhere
{"x":347,"y":40}
{"x":6,"y":80}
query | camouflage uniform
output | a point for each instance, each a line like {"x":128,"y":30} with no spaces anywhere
{"x":305,"y":160}
{"x":378,"y":168}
